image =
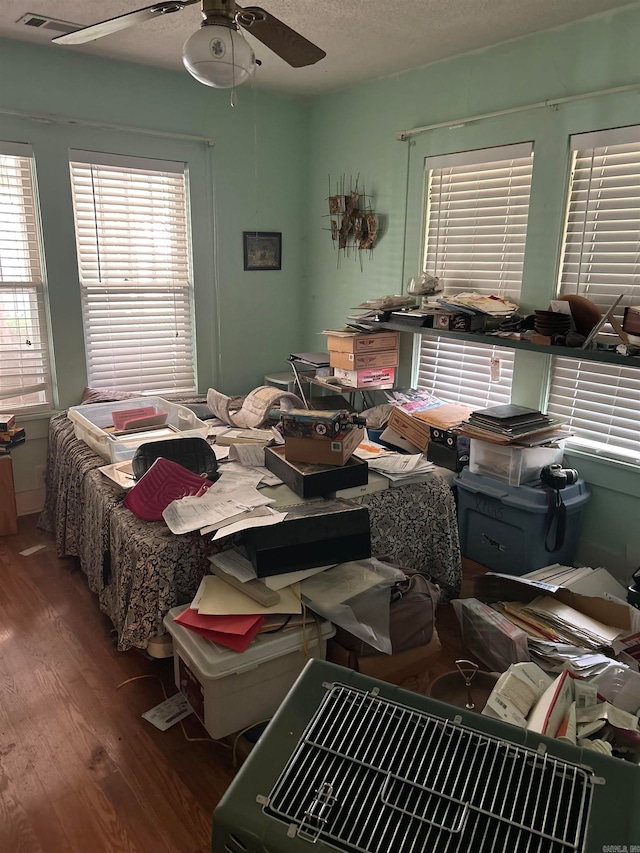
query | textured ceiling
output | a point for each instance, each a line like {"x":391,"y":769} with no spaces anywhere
{"x":363,"y":39}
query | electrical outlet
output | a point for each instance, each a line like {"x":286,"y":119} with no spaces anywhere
{"x":40,"y":476}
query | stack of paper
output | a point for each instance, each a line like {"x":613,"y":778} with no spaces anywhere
{"x":481,"y":304}
{"x":401,"y":469}
{"x":223,"y":613}
{"x":554,"y":657}
{"x":584,"y":580}
{"x":549,"y":619}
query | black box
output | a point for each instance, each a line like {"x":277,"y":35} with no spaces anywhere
{"x":315,"y":481}
{"x":317,"y":533}
{"x":448,"y":449}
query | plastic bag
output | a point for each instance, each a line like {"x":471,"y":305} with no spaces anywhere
{"x":356,"y":597}
{"x":489,"y":635}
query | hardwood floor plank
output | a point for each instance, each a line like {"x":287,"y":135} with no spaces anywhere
{"x":16,"y":832}
{"x":87,"y":828}
{"x":135,"y":817}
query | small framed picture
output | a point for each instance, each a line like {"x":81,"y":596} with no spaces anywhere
{"x":262,"y":250}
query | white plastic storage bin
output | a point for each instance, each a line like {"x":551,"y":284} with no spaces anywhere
{"x":90,"y":422}
{"x":231,"y":690}
{"x":513,"y":465}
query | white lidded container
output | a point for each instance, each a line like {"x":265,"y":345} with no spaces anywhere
{"x":90,"y":423}
{"x":229,"y":690}
{"x":511,"y":464}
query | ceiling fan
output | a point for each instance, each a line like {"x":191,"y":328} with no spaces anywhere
{"x":217,"y":54}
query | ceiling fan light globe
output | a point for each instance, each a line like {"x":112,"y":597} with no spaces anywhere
{"x":218,"y":56}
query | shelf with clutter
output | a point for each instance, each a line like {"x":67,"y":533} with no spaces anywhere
{"x":571,"y":327}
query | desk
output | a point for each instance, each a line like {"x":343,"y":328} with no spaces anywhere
{"x":140,"y":570}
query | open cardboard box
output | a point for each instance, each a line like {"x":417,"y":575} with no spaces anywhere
{"x":497,"y":587}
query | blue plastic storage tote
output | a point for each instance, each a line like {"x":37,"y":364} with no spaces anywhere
{"x":504,"y":527}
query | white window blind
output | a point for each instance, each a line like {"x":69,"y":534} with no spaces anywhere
{"x":476,"y":225}
{"x":460,"y":371}
{"x":132,"y":236}
{"x":25,"y":369}
{"x":601,"y":260}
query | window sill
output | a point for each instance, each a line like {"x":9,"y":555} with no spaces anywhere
{"x":600,"y":470}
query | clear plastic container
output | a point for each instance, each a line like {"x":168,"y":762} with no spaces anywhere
{"x":90,"y":423}
{"x":512,"y":465}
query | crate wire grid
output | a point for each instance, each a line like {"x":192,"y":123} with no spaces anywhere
{"x":373,"y":776}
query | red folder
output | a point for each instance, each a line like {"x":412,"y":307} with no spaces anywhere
{"x":234,"y":632}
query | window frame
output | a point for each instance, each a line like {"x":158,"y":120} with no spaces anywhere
{"x":473,"y":351}
{"x":586,"y":444}
{"x":91,"y":159}
{"x":38,"y":285}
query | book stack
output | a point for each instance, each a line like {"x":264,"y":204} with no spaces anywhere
{"x":512,"y":425}
{"x":10,"y":438}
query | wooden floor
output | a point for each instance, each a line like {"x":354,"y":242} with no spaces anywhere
{"x":80,"y":770}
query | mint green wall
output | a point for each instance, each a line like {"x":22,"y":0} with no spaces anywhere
{"x":354,"y":131}
{"x":255,"y":331}
{"x":246,"y":322}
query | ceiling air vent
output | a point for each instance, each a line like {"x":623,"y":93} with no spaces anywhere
{"x":42,"y":22}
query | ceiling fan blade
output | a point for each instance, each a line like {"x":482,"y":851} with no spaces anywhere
{"x":122,"y":22}
{"x":278,"y":37}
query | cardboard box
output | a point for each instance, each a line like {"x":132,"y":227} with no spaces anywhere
{"x":410,"y":428}
{"x":313,"y":481}
{"x":327,"y":451}
{"x":314,"y":533}
{"x":370,"y":378}
{"x":410,"y":666}
{"x":363,"y":342}
{"x":445,"y":416}
{"x":497,"y":587}
{"x":364,"y":360}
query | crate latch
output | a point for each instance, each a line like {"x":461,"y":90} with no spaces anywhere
{"x":315,"y":816}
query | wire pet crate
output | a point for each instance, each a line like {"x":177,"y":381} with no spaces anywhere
{"x":400,"y":773}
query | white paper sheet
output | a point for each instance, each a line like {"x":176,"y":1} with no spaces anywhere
{"x":268,"y":478}
{"x":221,"y":451}
{"x":396,"y":463}
{"x":235,"y":564}
{"x":339,"y":584}
{"x":371,"y":450}
{"x":216,"y":505}
{"x":258,"y":512}
{"x":248,"y":455}
{"x":169,"y":712}
{"x":120,"y":473}
{"x":199,"y":593}
{"x":233,"y":475}
{"x":220,"y":599}
{"x":277,"y":582}
{"x":237,"y":526}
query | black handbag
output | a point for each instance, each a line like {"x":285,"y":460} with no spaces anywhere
{"x":192,"y":452}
